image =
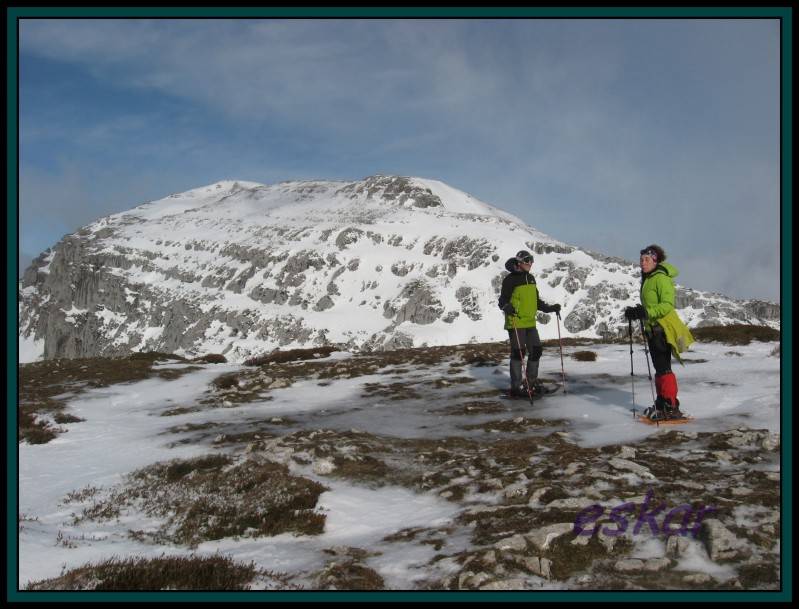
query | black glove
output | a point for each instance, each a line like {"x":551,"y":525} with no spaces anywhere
{"x":636,"y":312}
{"x":555,"y":309}
{"x":508,"y":309}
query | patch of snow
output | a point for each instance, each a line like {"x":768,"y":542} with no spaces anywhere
{"x":30,"y":349}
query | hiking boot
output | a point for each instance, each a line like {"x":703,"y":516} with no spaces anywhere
{"x":668,"y":410}
{"x":674,"y":413}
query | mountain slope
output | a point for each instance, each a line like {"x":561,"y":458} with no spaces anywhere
{"x":241,"y":268}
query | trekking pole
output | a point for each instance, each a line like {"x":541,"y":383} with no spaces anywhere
{"x":632,"y":374}
{"x":560,"y":344}
{"x":524,"y":363}
{"x":648,"y":369}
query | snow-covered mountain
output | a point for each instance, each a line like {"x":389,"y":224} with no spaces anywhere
{"x":241,"y":268}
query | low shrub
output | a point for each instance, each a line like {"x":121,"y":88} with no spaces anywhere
{"x":292,"y":355}
{"x":737,"y":334}
{"x":213,"y":497}
{"x":163,"y":573}
{"x":226,"y":381}
{"x":211,"y":358}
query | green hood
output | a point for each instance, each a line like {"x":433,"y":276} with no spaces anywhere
{"x":669,"y":269}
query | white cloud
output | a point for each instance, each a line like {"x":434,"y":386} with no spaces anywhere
{"x":571,"y":120}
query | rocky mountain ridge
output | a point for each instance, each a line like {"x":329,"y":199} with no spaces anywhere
{"x":242,"y":268}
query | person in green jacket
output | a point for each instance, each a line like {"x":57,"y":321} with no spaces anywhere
{"x":520,"y":302}
{"x":666,"y":333}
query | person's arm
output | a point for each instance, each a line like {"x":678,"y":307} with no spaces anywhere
{"x":546,"y":307}
{"x":505,"y":295}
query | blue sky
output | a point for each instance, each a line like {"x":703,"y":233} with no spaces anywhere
{"x":608,"y":134}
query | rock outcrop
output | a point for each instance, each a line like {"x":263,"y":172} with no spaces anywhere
{"x":239,"y":268}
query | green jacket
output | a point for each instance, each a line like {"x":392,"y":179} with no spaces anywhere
{"x":677,"y":333}
{"x":520,"y":290}
{"x":657,"y":297}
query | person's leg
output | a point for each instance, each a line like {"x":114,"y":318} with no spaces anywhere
{"x":534,"y":350}
{"x":515,"y":361}
{"x":665,"y":381}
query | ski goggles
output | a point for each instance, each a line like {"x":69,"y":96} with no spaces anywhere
{"x":525,"y":257}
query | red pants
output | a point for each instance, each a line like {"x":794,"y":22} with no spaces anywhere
{"x":666,"y":385}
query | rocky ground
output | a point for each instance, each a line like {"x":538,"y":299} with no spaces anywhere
{"x":679,"y":510}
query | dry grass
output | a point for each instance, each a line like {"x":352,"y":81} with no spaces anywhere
{"x":213,"y":497}
{"x":45,"y":386}
{"x":211,"y":358}
{"x":739,"y":334}
{"x":349,"y":575}
{"x":584,"y":356}
{"x":163,"y":573}
{"x":291,"y":355}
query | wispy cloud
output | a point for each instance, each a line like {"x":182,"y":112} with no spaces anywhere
{"x":662,"y":130}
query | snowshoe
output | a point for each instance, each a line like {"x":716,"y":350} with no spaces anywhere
{"x":517,"y":394}
{"x":541,"y":389}
{"x":666,"y":415}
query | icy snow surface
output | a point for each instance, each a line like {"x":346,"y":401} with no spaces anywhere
{"x":735,"y":386}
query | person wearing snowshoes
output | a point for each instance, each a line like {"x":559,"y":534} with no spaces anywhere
{"x":666,"y":334}
{"x":520,"y":302}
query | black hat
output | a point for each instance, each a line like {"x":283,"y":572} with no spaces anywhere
{"x":524,"y":256}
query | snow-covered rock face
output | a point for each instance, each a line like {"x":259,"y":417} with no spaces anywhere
{"x":241,"y":268}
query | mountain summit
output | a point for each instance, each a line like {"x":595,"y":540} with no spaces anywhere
{"x":241,"y":268}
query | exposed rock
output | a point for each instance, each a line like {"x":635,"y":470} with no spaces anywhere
{"x":571,"y":503}
{"x":580,"y":319}
{"x":516,"y":543}
{"x":469,"y":303}
{"x":720,"y":543}
{"x":467,"y":251}
{"x":624,"y":464}
{"x":400,"y":269}
{"x":677,"y":546}
{"x":416,"y":303}
{"x":469,"y":580}
{"x":506,"y":584}
{"x":546,"y":568}
{"x":657,"y":564}
{"x":347,"y":237}
{"x":348,"y":574}
{"x":544,"y":536}
{"x":697,"y":578}
{"x":324,"y":303}
{"x":629,"y":565}
{"x":95,"y":293}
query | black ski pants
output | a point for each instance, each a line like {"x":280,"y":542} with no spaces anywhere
{"x":524,"y":341}
{"x":659,"y":349}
